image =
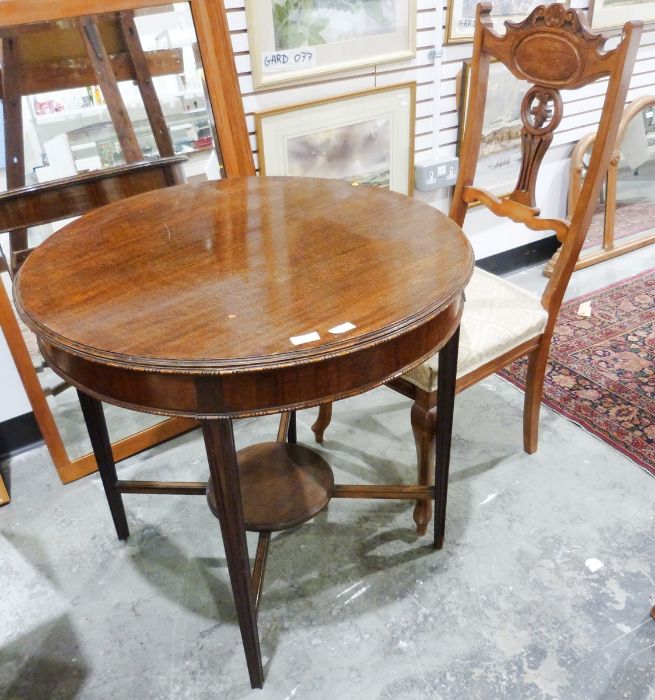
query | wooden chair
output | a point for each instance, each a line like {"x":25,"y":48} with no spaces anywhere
{"x":553,"y":49}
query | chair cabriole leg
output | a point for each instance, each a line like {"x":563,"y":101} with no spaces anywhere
{"x":322,"y":421}
{"x":424,"y":427}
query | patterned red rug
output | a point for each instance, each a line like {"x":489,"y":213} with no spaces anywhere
{"x":601,"y":371}
{"x":629,"y":221}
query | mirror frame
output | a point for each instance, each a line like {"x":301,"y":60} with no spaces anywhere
{"x":215,"y":46}
{"x":609,"y":247}
{"x":212,"y":32}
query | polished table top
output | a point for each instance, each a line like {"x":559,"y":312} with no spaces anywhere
{"x":222,"y":275}
{"x":241,"y":297}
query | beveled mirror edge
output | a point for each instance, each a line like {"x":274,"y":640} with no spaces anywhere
{"x":213,"y":35}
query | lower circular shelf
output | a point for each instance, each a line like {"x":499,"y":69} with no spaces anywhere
{"x":282,"y":485}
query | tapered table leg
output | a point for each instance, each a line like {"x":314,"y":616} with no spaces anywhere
{"x":447,"y":375}
{"x":221,"y":454}
{"x":94,"y":417}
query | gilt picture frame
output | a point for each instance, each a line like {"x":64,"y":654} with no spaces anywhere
{"x":293,"y":40}
{"x":613,"y":14}
{"x":460,"y":19}
{"x":366,"y":138}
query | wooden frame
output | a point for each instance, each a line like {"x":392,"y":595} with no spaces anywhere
{"x":277,"y":128}
{"x":603,"y":17}
{"x":272,"y":64}
{"x":222,"y":86}
{"x":465,"y":33}
{"x":609,"y":249}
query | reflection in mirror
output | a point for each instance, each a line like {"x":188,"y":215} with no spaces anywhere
{"x":624,"y":219}
{"x":114,"y":104}
{"x":635,"y":186}
{"x":75,"y":118}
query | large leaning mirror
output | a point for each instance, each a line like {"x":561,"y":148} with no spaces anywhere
{"x":102,"y":100}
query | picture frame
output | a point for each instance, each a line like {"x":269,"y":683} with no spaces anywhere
{"x":366,"y":138}
{"x":613,"y":14}
{"x":499,"y":162}
{"x":290,"y":41}
{"x":460,"y":19}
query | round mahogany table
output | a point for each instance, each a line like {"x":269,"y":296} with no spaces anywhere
{"x":242,"y":297}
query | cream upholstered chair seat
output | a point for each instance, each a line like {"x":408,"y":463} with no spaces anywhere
{"x":498,"y":316}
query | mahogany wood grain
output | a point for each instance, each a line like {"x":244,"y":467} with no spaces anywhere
{"x":193,"y":300}
{"x":177,"y":488}
{"x":287,"y":429}
{"x":383,"y":491}
{"x":444,"y":428}
{"x":282,"y":485}
{"x":97,"y":427}
{"x":219,"y":442}
{"x":73,"y":196}
{"x":260,"y":567}
{"x":201,"y":255}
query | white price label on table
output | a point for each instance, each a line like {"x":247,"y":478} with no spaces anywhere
{"x":280,"y":61}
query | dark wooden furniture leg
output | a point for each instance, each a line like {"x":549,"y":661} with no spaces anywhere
{"x":447,"y":375}
{"x":287,"y":429}
{"x":221,"y":454}
{"x":322,"y":421}
{"x":94,"y":417}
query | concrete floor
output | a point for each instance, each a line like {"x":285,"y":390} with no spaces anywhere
{"x":542,"y":591}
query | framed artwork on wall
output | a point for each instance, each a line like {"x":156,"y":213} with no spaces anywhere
{"x":609,"y":14}
{"x":365,"y":138}
{"x":460,"y":22}
{"x":292,"y":40}
{"x":500,"y":149}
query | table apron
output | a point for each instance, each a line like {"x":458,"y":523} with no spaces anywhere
{"x":255,"y":392}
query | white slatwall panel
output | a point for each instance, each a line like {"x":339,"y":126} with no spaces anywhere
{"x":581,"y":113}
{"x":420,"y":68}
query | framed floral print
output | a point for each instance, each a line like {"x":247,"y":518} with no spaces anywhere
{"x":366,"y":138}
{"x":609,"y":14}
{"x":291,"y":40}
{"x":460,"y":22}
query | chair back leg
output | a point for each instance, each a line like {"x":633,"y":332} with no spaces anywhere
{"x":424,"y":427}
{"x":534,"y":388}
